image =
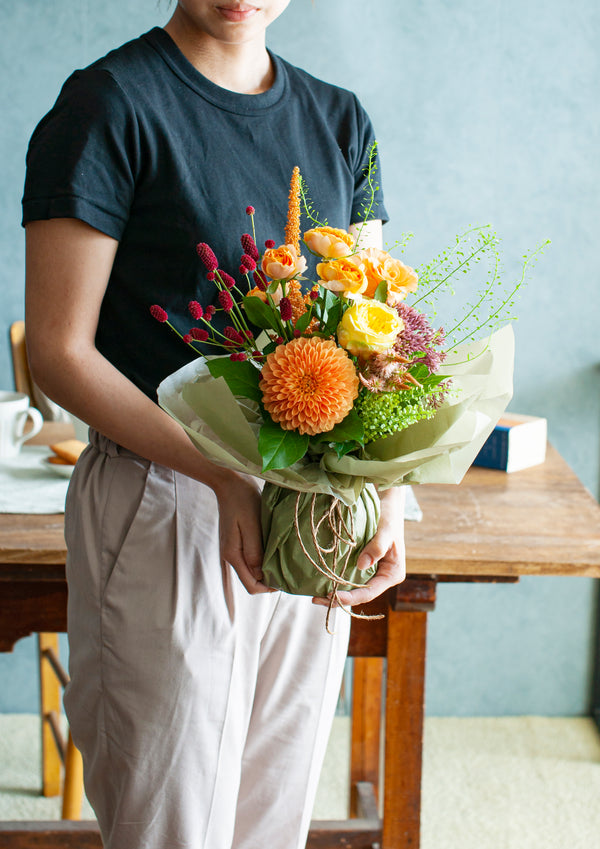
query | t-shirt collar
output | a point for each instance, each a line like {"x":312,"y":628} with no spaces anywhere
{"x":232,"y":101}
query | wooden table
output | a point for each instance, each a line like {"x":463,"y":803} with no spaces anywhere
{"x":493,"y":527}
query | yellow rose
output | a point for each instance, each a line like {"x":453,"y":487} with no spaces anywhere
{"x":369,"y":327}
{"x":329,"y":242}
{"x":343,"y":276}
{"x":283,"y":262}
{"x":379,"y":265}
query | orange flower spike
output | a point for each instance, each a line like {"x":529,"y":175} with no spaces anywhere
{"x":308,"y":385}
{"x":292,"y":230}
{"x":296,"y":298}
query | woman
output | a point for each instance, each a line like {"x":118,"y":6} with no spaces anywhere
{"x":200,"y":700}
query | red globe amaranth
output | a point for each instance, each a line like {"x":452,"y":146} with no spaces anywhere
{"x":159,"y":313}
{"x":209,"y":312}
{"x":250,"y":210}
{"x":269,"y":244}
{"x":227,"y":279}
{"x":260,"y":280}
{"x":187,"y":338}
{"x":195,"y":310}
{"x":249,"y":246}
{"x":206,"y":254}
{"x":285,"y":308}
{"x":225,"y":300}
{"x":199,"y":333}
{"x":234,"y":335}
{"x":247,"y":263}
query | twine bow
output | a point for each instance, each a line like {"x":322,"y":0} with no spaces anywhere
{"x":341,"y":535}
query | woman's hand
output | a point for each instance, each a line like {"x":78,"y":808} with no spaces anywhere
{"x":240,"y":535}
{"x":386,"y":549}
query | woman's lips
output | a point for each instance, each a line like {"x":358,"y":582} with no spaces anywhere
{"x":237,"y":13}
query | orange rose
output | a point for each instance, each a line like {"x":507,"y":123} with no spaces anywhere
{"x":283,"y":262}
{"x":379,"y":265}
{"x":329,"y":242}
{"x":343,"y":276}
{"x":258,"y":293}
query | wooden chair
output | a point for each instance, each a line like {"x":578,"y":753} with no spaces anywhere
{"x":56,"y":752}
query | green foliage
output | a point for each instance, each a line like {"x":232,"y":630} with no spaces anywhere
{"x":384,"y":413}
{"x":241,"y":377}
{"x":260,"y":313}
{"x":370,"y":190}
{"x":346,"y":436}
{"x":477,"y":249}
{"x":303,"y":321}
{"x":280,"y":448}
{"x":309,"y":210}
{"x":381,"y":292}
{"x":328,"y":309}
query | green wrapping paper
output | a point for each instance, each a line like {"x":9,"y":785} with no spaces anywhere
{"x":292,"y":562}
{"x":225,"y":429}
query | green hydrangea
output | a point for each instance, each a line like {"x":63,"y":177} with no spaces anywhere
{"x":383,"y":413}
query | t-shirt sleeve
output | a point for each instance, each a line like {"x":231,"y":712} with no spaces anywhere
{"x":362,"y":205}
{"x":81,"y":161}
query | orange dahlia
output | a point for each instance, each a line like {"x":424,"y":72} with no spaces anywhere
{"x":308,"y":385}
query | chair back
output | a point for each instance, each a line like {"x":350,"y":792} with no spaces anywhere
{"x":22,"y":375}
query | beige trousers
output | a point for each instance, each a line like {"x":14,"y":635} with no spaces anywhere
{"x":202,"y":712}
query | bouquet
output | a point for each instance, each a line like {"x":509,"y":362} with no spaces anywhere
{"x":333,"y":389}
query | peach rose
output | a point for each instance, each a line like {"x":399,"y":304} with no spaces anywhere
{"x":329,"y":242}
{"x":283,"y":262}
{"x":262,"y":296}
{"x":342,"y":276}
{"x":379,"y":265}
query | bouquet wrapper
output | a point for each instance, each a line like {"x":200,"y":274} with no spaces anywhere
{"x":308,"y":535}
{"x":438,"y":450}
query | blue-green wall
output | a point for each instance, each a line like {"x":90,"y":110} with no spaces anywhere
{"x":485,"y":112}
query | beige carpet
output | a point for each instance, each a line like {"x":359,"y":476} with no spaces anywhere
{"x":508,"y":783}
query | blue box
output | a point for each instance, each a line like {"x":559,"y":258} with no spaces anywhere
{"x":517,"y":442}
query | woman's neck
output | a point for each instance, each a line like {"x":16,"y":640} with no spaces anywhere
{"x":242,"y":67}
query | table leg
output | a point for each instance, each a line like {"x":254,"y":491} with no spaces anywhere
{"x":404,"y":714}
{"x":366,"y":729}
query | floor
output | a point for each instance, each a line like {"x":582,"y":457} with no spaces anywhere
{"x":506,"y":783}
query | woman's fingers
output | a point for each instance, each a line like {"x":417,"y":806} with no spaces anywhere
{"x":245,"y":558}
{"x":387,"y":549}
{"x":240,"y":533}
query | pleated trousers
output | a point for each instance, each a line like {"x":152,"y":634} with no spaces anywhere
{"x":202,"y":712}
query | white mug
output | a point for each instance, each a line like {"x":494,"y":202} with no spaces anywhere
{"x":14,"y":412}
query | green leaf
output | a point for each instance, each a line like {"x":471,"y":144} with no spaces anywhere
{"x":303,"y":321}
{"x":419,"y":372}
{"x":273,"y":286}
{"x":280,"y":448}
{"x":381,"y":292}
{"x":325,"y":302}
{"x":349,"y":429}
{"x":259,"y":313}
{"x":334,"y":317}
{"x":341,"y":449}
{"x":241,"y":377}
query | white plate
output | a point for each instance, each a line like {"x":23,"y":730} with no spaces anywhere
{"x":65,"y":471}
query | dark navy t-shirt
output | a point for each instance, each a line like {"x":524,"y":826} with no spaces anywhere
{"x":144,"y":148}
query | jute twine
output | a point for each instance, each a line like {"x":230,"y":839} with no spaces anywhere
{"x":341,"y":535}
